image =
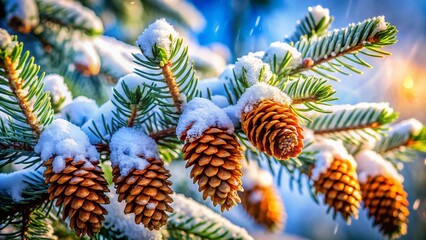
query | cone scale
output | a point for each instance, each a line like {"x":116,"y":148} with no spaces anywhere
{"x":80,"y":189}
{"x":273,"y":128}
{"x":386,"y":201}
{"x":340,"y":187}
{"x":146,"y":193}
{"x":215,"y":160}
{"x":265,"y":206}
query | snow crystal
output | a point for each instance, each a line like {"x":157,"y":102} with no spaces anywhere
{"x":328,"y":150}
{"x":159,"y":33}
{"x":411,"y":126}
{"x":254,"y":176}
{"x":373,"y":164}
{"x":186,"y":209}
{"x":200,"y":114}
{"x":13,"y":183}
{"x":253,"y":67}
{"x":318,"y":13}
{"x":116,"y":219}
{"x":59,"y":91}
{"x":80,"y":110}
{"x":61,"y":139}
{"x":104,"y":114}
{"x":381,"y":24}
{"x":130,"y":149}
{"x":257,"y":93}
{"x":5,"y":38}
{"x":280,"y":50}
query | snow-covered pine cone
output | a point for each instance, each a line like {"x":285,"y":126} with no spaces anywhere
{"x":273,"y":128}
{"x":215,"y":160}
{"x":340,"y":187}
{"x":81,"y":189}
{"x":146,"y":192}
{"x":264,"y":205}
{"x":387,"y":204}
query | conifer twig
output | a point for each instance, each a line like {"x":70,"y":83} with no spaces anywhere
{"x":133,"y":114}
{"x":326,"y":131}
{"x":15,"y":84}
{"x":171,"y":84}
{"x":163,"y":133}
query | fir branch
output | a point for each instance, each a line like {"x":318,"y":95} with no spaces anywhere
{"x":171,"y":84}
{"x":363,"y":38}
{"x":311,"y":92}
{"x":308,"y":27}
{"x":70,"y":15}
{"x":163,"y":133}
{"x":353,"y":124}
{"x":16,"y":85}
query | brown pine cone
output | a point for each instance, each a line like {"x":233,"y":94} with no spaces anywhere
{"x":274,"y":129}
{"x":215,"y":160}
{"x":146,"y":192}
{"x":81,"y":190}
{"x":264,"y":205}
{"x":340,"y":187}
{"x":386,"y":201}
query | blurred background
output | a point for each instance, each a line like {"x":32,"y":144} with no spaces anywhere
{"x":220,"y":31}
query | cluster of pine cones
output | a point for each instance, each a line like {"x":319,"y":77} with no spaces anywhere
{"x":215,"y":161}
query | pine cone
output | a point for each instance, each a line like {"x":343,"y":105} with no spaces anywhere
{"x":264,"y":205}
{"x":340,"y":187}
{"x":215,"y":157}
{"x":274,"y":129}
{"x":147,"y":193}
{"x":386,"y":201}
{"x":81,"y":190}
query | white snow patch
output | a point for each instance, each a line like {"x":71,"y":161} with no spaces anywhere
{"x":257,"y":93}
{"x":254,"y":176}
{"x":227,"y":73}
{"x":327,"y":151}
{"x":130,"y":149}
{"x":24,"y":10}
{"x":199,"y":115}
{"x":80,"y":110}
{"x":105,"y":112}
{"x":116,"y":219}
{"x":62,"y":139}
{"x":5,"y":38}
{"x":220,"y":101}
{"x":253,"y":67}
{"x":258,"y":54}
{"x":280,"y":50}
{"x":132,"y":81}
{"x":159,"y":33}
{"x":231,"y":111}
{"x":13,"y":183}
{"x":86,"y":58}
{"x":381,"y":24}
{"x":59,"y":91}
{"x":411,"y":126}
{"x":318,"y":13}
{"x":372,"y":164}
{"x":151,"y":205}
{"x":186,"y":208}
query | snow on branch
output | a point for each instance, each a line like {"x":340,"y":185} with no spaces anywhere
{"x":352,"y":123}
{"x":281,"y":56}
{"x":252,"y":70}
{"x":199,"y":115}
{"x":60,"y":95}
{"x":79,"y":110}
{"x":156,"y":40}
{"x":366,"y":37}
{"x":371,"y":164}
{"x":62,"y":140}
{"x":22,"y":15}
{"x":70,"y":14}
{"x":130,"y":148}
{"x":101,"y":126}
{"x":190,"y":217}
